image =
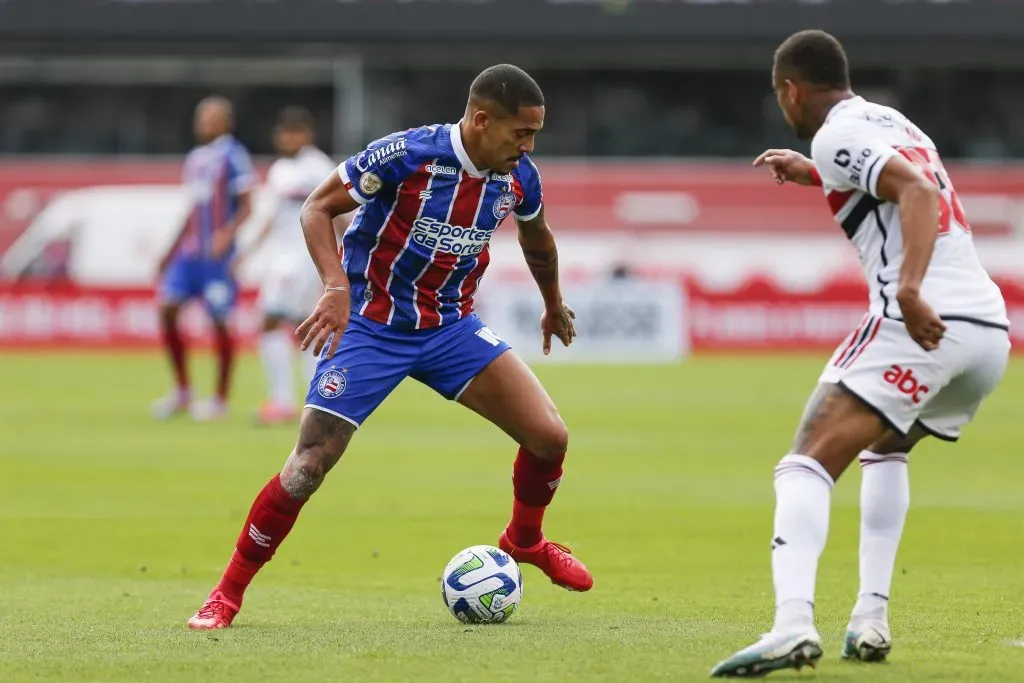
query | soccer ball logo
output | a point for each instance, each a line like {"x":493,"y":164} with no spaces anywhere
{"x":482,"y":584}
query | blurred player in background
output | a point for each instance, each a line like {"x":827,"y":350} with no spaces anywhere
{"x":290,"y":285}
{"x":431,"y":198}
{"x":932,"y":347}
{"x":218,"y":177}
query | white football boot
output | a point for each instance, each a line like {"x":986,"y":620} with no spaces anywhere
{"x":774,"y":652}
{"x":868,"y":638}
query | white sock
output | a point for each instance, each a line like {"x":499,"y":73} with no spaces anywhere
{"x":803,"y":492}
{"x":276,"y":354}
{"x":884,"y":501}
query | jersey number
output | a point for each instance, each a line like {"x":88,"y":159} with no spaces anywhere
{"x":949,"y":204}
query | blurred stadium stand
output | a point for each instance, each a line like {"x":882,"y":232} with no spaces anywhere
{"x":694,"y":72}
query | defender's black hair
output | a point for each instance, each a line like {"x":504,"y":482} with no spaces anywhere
{"x":813,"y":57}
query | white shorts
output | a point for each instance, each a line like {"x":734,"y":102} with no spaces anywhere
{"x":940,"y":390}
{"x":290,"y":287}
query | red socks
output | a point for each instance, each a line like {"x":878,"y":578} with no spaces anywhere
{"x":534,"y":482}
{"x":274,"y":512}
{"x":272,"y":516}
{"x":175,"y":346}
{"x":225,"y":356}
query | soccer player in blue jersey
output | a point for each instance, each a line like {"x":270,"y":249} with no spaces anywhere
{"x":218,"y":178}
{"x":399,"y":303}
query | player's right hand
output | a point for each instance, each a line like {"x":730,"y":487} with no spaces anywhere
{"x":328,"y":321}
{"x":785,"y":164}
{"x":923,"y":325}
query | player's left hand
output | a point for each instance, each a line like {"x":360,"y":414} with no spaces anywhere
{"x":327,"y":321}
{"x":558,"y":323}
{"x":222,"y":240}
{"x":923,"y":325}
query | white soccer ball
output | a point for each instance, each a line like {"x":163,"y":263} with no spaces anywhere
{"x":482,"y":584}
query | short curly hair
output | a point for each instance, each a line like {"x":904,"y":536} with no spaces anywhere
{"x":814,"y":57}
{"x":508,"y":86}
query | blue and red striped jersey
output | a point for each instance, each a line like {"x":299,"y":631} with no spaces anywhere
{"x":416,"y":250}
{"x":214,"y":176}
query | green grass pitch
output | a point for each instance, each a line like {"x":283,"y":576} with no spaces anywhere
{"x":113,"y":528}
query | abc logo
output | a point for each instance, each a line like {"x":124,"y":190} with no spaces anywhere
{"x":905,"y":381}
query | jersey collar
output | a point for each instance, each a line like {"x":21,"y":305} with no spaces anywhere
{"x":222,"y":140}
{"x":842,"y":104}
{"x":462,"y":155}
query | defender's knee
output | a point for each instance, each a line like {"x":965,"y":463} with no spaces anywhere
{"x":550,"y":440}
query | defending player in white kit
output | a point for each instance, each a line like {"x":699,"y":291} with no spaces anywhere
{"x":290,"y":286}
{"x":933,"y":345}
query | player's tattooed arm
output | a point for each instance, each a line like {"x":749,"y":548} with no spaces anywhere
{"x":817,"y":412}
{"x":541,"y":253}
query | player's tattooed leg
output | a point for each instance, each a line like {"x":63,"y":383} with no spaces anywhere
{"x":836,"y":426}
{"x":817,"y":410}
{"x":322,"y":440}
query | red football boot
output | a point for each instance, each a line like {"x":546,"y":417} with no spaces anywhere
{"x":553,"y":559}
{"x":216,"y":612}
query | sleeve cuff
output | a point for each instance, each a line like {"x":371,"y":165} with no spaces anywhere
{"x":531,"y":216}
{"x":242,"y":184}
{"x":874,"y":171}
{"x":349,"y":185}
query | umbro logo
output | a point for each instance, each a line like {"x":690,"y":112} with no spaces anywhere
{"x":778,"y":542}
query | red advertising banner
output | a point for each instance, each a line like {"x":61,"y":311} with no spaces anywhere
{"x":756,"y":315}
{"x":71,"y":317}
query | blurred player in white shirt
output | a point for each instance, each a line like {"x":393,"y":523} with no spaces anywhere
{"x":933,"y":345}
{"x":290,"y":286}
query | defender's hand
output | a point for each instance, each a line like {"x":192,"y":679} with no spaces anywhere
{"x":785,"y":164}
{"x":558,"y":323}
{"x":924,"y":327}
{"x":330,"y":317}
